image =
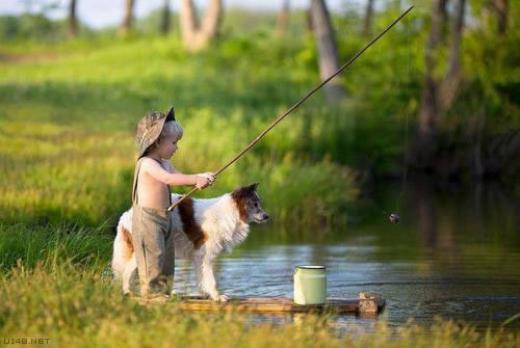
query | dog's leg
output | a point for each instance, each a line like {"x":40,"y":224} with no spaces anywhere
{"x":205,"y":277}
{"x":208,"y":282}
{"x":130,"y":267}
{"x":197,"y":266}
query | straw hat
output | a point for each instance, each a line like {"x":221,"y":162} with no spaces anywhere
{"x":149,"y":129}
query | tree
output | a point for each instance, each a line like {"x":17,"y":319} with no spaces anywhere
{"x":282,"y":21}
{"x":451,"y":82}
{"x":367,"y":21}
{"x":194,"y":35}
{"x":126,"y":25}
{"x":165,"y":18}
{"x":438,"y":95}
{"x":327,"y":51}
{"x":72,"y":19}
{"x":501,"y":9}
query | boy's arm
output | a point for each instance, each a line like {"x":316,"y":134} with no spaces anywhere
{"x":170,"y":167}
{"x":156,"y":171}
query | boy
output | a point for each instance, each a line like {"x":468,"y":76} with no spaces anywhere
{"x":157,"y":137}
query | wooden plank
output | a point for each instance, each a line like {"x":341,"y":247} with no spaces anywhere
{"x":284,"y":305}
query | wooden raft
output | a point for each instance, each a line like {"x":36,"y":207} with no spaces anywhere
{"x":365,"y":304}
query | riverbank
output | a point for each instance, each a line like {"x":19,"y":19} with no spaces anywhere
{"x":68,"y":304}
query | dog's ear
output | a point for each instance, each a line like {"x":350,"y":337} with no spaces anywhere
{"x":245,"y":190}
{"x":252,"y":187}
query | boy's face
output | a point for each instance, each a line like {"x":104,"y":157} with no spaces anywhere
{"x":167,"y":146}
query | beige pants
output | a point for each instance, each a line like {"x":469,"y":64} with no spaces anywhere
{"x":154,"y":250}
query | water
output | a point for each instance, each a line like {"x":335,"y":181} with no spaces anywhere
{"x":455,"y":254}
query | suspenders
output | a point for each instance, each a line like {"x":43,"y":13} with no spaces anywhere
{"x":134,"y":185}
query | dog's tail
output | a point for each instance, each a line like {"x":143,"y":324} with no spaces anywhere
{"x":127,"y":239}
{"x":123,"y":246}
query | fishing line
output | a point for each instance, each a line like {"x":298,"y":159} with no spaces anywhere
{"x":296,"y":105}
{"x":395,"y":216}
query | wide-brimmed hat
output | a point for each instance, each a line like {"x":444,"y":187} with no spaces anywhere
{"x":149,"y":129}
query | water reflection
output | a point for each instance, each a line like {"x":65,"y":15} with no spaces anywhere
{"x":456,"y":254}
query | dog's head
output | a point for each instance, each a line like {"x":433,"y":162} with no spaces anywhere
{"x":248,"y":203}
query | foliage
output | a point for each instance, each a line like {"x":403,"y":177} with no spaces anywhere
{"x":27,"y":26}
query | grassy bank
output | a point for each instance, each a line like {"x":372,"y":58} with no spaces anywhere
{"x":54,"y":288}
{"x":67,"y":132}
{"x":70,"y":305}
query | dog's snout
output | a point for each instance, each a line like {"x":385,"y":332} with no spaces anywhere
{"x":265,"y":216}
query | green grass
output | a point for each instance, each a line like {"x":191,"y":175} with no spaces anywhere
{"x":53,"y":286}
{"x":67,"y":132}
{"x":71,"y":305}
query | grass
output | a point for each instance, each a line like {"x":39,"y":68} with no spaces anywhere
{"x":54,"y":287}
{"x":71,"y":305}
{"x":67,"y":131}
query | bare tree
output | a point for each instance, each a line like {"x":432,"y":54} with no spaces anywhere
{"x":165,"y":18}
{"x":367,"y":21}
{"x":126,"y":25}
{"x":197,"y":36}
{"x":72,"y":19}
{"x":327,"y":51}
{"x":282,"y":21}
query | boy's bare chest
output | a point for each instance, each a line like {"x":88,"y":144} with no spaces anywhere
{"x":152,"y":193}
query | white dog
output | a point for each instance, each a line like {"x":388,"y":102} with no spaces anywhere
{"x":202,"y":229}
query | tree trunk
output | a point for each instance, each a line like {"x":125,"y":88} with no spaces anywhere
{"x":165,"y":18}
{"x":126,"y":26}
{"x":212,"y":19}
{"x":438,"y":95}
{"x":367,"y":22}
{"x":501,"y":8}
{"x":443,"y":9}
{"x":72,"y":19}
{"x":327,"y":51}
{"x":451,"y":82}
{"x":282,"y":21}
{"x":422,"y":152}
{"x":429,"y":112}
{"x":188,"y":21}
{"x":196,"y":37}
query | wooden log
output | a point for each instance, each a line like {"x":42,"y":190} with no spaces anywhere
{"x":367,"y":305}
{"x":370,"y":305}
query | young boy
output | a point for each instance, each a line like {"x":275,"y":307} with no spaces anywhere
{"x":157,"y":137}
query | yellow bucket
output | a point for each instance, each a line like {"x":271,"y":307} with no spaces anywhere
{"x":310,"y":285}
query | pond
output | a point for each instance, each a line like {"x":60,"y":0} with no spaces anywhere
{"x":455,"y":254}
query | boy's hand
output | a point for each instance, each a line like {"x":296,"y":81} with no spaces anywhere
{"x":210,"y":176}
{"x":203,"y":180}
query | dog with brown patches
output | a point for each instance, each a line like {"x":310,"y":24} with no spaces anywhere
{"x":202,"y":229}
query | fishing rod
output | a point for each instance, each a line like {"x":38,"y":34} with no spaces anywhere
{"x":297,"y":104}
